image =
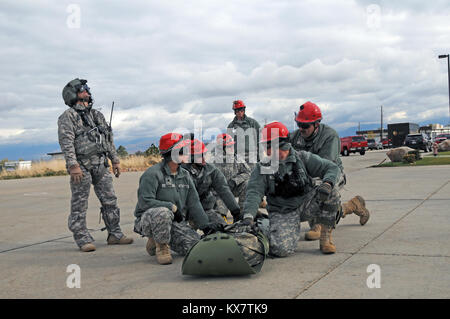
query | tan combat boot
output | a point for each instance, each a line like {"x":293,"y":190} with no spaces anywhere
{"x":87,"y":247}
{"x":326,"y":244}
{"x":151,"y":246}
{"x":356,"y":205}
{"x":122,"y":241}
{"x":163,"y":255}
{"x":314,"y":233}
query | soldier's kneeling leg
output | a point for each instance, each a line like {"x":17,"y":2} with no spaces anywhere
{"x":312,"y":209}
{"x":284,"y":233}
{"x":157,"y":223}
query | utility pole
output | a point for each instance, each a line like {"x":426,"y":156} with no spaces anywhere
{"x":448,"y":73}
{"x":381,"y":129}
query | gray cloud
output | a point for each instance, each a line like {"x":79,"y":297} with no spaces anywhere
{"x":167,"y":64}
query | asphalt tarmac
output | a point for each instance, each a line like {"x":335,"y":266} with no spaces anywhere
{"x":402,"y":252}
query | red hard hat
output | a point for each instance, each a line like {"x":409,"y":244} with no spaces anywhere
{"x":197,"y":147}
{"x":274,"y":130}
{"x":168,"y":141}
{"x":225,"y":139}
{"x":238,"y":104}
{"x":309,"y":113}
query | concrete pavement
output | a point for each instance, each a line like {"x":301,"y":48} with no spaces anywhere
{"x":406,"y":238}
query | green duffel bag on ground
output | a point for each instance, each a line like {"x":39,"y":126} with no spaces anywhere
{"x":238,"y":250}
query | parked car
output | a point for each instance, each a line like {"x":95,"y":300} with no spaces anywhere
{"x":373,"y":144}
{"x":353,"y":144}
{"x":387,"y":143}
{"x":441,"y":137}
{"x":418,"y":141}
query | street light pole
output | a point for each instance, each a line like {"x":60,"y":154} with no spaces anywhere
{"x":443,"y":56}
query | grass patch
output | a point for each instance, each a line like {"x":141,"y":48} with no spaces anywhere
{"x":131,"y":163}
{"x":135,"y":163}
{"x":441,"y":153}
{"x":425,"y":161}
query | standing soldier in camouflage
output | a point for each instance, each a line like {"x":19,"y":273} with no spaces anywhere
{"x":322,"y":140}
{"x":167,"y":199}
{"x":236,"y":170}
{"x":291,"y":195}
{"x":245,"y":132}
{"x":208,"y":179}
{"x":87,"y":142}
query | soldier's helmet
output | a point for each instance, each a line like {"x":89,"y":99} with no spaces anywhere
{"x":198,"y":147}
{"x":239,"y":250}
{"x":308,"y":113}
{"x":70,"y":91}
{"x":274,"y":130}
{"x":238,"y":104}
{"x":225,"y":140}
{"x":169,"y":141}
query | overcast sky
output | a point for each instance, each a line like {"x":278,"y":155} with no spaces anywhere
{"x":168,"y":63}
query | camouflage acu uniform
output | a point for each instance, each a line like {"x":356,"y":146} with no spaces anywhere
{"x":237,"y":175}
{"x":209,"y":179}
{"x":158,"y":191}
{"x":325,"y":143}
{"x":246,"y":238}
{"x":247,"y":123}
{"x":88,"y":142}
{"x":158,"y":223}
{"x":288,"y":211}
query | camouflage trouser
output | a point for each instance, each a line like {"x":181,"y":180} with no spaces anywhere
{"x":284,"y":231}
{"x":158,"y":223}
{"x":338,"y":187}
{"x":103,"y":187}
{"x":252,"y":166}
{"x":238,"y":191}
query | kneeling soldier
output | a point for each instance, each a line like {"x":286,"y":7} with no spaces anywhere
{"x":291,"y":196}
{"x":237,"y":172}
{"x":166,"y":194}
{"x":322,"y":140}
{"x":208,"y":181}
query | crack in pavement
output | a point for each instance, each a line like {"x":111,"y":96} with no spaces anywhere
{"x":373,"y":239}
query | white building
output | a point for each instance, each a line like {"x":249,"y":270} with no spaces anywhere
{"x":56,"y":155}
{"x":17,"y":165}
{"x":432,"y":130}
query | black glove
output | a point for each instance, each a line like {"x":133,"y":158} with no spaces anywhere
{"x":178,"y":216}
{"x":236,"y":213}
{"x":248,"y":221}
{"x":324,"y":191}
{"x":211,"y":228}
